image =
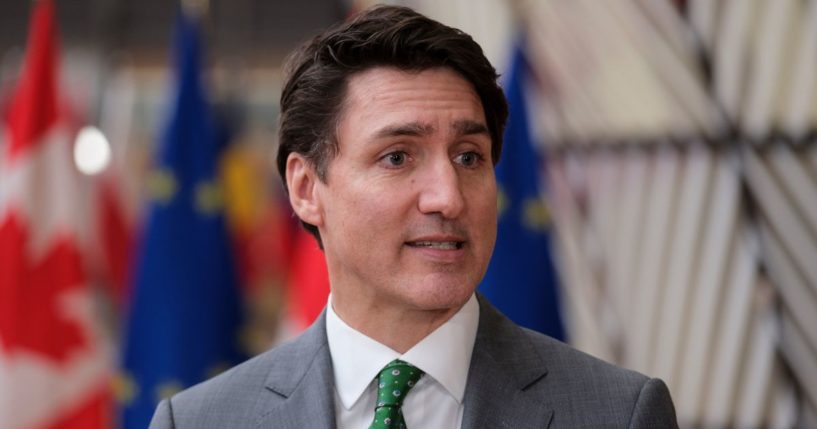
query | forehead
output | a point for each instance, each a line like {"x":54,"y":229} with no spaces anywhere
{"x":437,"y":98}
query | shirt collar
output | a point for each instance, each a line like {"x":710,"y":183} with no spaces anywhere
{"x":444,"y":355}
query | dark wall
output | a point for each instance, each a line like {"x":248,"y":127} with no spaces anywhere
{"x":259,"y":30}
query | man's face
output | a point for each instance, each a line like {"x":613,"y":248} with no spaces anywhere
{"x":408,"y":209}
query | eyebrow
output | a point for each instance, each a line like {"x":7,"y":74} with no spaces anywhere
{"x":412,"y":129}
{"x":417,"y":129}
{"x":467,"y":127}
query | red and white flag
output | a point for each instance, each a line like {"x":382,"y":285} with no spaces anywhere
{"x":308,"y":280}
{"x":54,"y":362}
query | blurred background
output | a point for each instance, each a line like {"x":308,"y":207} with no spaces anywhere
{"x":658,"y":204}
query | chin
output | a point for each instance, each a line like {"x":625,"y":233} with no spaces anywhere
{"x":441,"y":295}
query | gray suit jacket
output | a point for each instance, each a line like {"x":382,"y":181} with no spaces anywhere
{"x":518,"y":379}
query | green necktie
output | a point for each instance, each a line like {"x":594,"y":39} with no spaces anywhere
{"x":393,"y":384}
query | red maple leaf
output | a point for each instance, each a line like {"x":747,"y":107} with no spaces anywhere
{"x":31,"y":315}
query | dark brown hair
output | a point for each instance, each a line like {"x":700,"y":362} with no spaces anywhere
{"x":318,"y":72}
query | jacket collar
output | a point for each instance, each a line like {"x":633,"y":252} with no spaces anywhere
{"x":504,"y":366}
{"x":301,"y":381}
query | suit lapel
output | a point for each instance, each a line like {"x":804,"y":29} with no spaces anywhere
{"x":504,"y":366}
{"x":301,"y":383}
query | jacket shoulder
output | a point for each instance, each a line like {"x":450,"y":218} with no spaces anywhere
{"x":592,"y":392}
{"x":562,"y":358}
{"x":218,"y":401}
{"x":244,"y":393}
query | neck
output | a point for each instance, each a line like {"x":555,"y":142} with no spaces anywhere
{"x":394,"y":326}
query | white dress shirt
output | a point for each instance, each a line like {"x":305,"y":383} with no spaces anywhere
{"x":444,"y":356}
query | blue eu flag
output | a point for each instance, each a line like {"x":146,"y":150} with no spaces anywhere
{"x":185,"y":307}
{"x":521,"y":280}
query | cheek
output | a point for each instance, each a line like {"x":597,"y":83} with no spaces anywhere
{"x":484,"y":210}
{"x":484,"y":200}
{"x":367,"y":211}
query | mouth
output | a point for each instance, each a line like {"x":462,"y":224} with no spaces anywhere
{"x":437,"y":245}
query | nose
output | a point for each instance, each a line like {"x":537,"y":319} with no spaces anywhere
{"x":441,"y":191}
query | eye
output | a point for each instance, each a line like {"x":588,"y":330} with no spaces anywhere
{"x":395,"y":159}
{"x":469,"y":159}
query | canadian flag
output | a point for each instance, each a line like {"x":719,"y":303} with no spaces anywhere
{"x":308,"y":280}
{"x":54,"y":362}
{"x":307,"y":283}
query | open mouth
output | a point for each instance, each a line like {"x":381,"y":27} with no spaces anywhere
{"x":440,"y":245}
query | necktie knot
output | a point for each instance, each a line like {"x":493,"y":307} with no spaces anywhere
{"x":393,"y":384}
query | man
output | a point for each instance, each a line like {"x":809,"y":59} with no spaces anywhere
{"x":391,"y":125}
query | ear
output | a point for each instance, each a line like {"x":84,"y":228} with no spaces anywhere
{"x":301,"y":182}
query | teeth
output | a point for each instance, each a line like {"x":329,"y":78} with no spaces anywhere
{"x":445,"y":245}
